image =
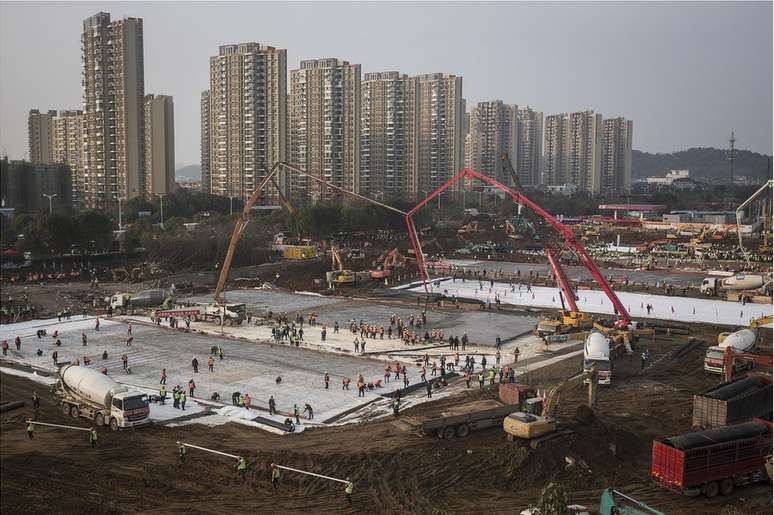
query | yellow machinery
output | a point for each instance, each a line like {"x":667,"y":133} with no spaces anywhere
{"x":340,"y":275}
{"x":539,"y":428}
{"x":755,"y":324}
{"x":565,"y":322}
{"x":299,"y":252}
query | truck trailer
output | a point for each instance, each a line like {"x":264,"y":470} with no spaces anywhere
{"x":461,"y":420}
{"x":713,"y":461}
{"x":89,"y":394}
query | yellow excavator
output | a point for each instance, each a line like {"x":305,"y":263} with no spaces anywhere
{"x":536,"y":429}
{"x":340,"y":276}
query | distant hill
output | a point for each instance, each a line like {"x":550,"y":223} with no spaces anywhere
{"x":188,"y":173}
{"x":707,"y":164}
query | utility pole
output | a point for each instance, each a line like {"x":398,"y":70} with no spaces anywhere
{"x":50,"y":197}
{"x":731,"y":152}
{"x":161,"y":196}
{"x":120,"y":213}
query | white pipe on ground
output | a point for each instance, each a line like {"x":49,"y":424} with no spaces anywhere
{"x":311,"y":473}
{"x":208,"y":450}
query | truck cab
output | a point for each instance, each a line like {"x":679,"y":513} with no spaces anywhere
{"x":709,"y":286}
{"x":129,"y":409}
{"x":597,"y":351}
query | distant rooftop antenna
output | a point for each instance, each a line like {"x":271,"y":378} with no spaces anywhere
{"x":731,"y":153}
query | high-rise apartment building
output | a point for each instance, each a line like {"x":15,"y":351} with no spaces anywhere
{"x":205,"y":142}
{"x":528,"y":151}
{"x":492,"y":133}
{"x":40,"y":134}
{"x":616,"y":166}
{"x":554,"y":157}
{"x":325,"y":126}
{"x":159,"y":145}
{"x":68,"y":146}
{"x":245,"y":131}
{"x":441,"y":117}
{"x":113,"y":110}
{"x":573,"y":147}
{"x":388,"y":133}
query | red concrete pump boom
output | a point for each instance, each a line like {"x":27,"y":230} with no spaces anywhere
{"x":566,"y":234}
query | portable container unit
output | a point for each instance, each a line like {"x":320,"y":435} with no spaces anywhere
{"x":731,"y":403}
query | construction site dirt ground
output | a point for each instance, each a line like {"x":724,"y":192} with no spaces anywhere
{"x":394,"y":469}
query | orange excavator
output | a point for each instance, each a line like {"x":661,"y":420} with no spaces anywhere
{"x":386,"y":262}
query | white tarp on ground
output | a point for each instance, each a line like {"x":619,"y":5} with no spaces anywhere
{"x":683,"y":309}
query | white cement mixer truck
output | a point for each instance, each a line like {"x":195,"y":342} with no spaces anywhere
{"x":87,"y":393}
{"x":743,"y":340}
{"x":600,"y":351}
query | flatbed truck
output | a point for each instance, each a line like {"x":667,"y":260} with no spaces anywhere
{"x":460,"y":420}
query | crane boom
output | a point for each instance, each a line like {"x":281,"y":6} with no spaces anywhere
{"x":740,"y":211}
{"x":243,"y":220}
{"x":519,"y":198}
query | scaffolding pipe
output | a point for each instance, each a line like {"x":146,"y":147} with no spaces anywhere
{"x":310,"y":473}
{"x":57,"y":425}
{"x":208,"y":450}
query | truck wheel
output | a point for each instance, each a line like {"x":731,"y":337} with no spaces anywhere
{"x":74,"y":411}
{"x":229,"y":322}
{"x":463,"y":430}
{"x":448,"y":433}
{"x":99,"y":420}
{"x":114,"y":424}
{"x":727,"y":486}
{"x":712,"y":489}
{"x":65,"y":408}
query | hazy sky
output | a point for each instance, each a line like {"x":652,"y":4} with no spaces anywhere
{"x":686,"y":73}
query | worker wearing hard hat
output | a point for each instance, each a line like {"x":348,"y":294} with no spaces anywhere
{"x":93,"y":437}
{"x":275,"y":476}
{"x":241,"y":467}
{"x":348,"y":490}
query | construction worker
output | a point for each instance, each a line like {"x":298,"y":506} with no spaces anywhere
{"x":643,"y":359}
{"x":327,"y":379}
{"x":35,"y":401}
{"x":275,"y":476}
{"x":181,"y":452}
{"x":481,"y":379}
{"x":429,"y":390}
{"x":163,"y":394}
{"x":191,"y":387}
{"x":348,"y":490}
{"x":175,"y":398}
{"x":396,"y":406}
{"x":163,"y":376}
{"x":83,"y":339}
{"x":272,"y":406}
{"x":30,"y":429}
{"x":241,"y":467}
{"x":492,"y":376}
{"x":296,"y":414}
{"x":182,"y":399}
{"x":93,"y":437}
{"x":210,"y":363}
{"x":516,"y":355}
{"x":308,"y":410}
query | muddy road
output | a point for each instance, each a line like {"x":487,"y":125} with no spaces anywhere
{"x":394,"y":469}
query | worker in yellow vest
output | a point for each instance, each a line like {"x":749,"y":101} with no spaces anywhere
{"x":348,"y":490}
{"x":241,"y":467}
